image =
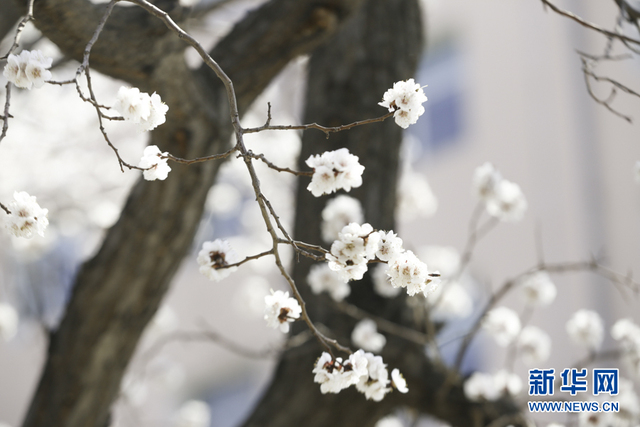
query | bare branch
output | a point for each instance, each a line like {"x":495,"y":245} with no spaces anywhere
{"x":4,"y":208}
{"x":247,"y":259}
{"x":200,"y":159}
{"x":589,"y":25}
{"x":327,"y":130}
{"x":274,"y":167}
{"x":16,"y":40}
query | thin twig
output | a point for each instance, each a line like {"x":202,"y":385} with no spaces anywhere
{"x":6,"y":115}
{"x":589,"y":25}
{"x":4,"y":208}
{"x":247,"y":259}
{"x":199,"y":159}
{"x":326,"y":129}
{"x":23,"y":22}
{"x":279,"y":169}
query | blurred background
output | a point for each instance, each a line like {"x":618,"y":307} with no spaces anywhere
{"x":505,"y":85}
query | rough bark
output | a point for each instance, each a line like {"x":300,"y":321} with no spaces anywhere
{"x":347,"y":77}
{"x":117,"y":292}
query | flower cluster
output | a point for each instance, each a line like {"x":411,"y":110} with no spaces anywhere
{"x":481,"y":386}
{"x":628,"y":333}
{"x":27,"y":217}
{"x":586,"y":328}
{"x":503,"y":199}
{"x":359,"y":244}
{"x":29,"y":69}
{"x":215,"y":257}
{"x":364,"y":370}
{"x":503,"y":324}
{"x":333,"y":170}
{"x":155,"y":167}
{"x":280,"y":310}
{"x":406,"y":99}
{"x":146,"y":110}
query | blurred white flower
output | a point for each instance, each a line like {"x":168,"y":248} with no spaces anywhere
{"x":27,"y":217}
{"x":534,"y":345}
{"x":250,"y":296}
{"x":389,"y":421}
{"x":452,"y":301}
{"x":444,"y":259}
{"x":503,"y":324}
{"x":586,"y":328}
{"x":414,"y":196}
{"x":214,"y":256}
{"x":508,"y":202}
{"x":538,"y":289}
{"x":480,"y":386}
{"x":194,"y":413}
{"x":340,"y":211}
{"x":636,"y":171}
{"x":365,"y":335}
{"x":8,"y":321}
{"x":156,"y":167}
{"x":485,"y":181}
{"x":280,"y":310}
{"x":398,"y":381}
{"x":321,"y":278}
{"x":382,"y":282}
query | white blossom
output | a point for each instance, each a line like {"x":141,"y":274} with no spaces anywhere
{"x":406,"y":99}
{"x":407,"y":271}
{"x":382,"y":282}
{"x":8,"y":321}
{"x":534,"y":345}
{"x":194,"y":413}
{"x":485,"y":180}
{"x":26,"y":217}
{"x":280,"y":310}
{"x":214,"y":256}
{"x":336,"y":375}
{"x":586,"y":328}
{"x":398,"y":381}
{"x":390,"y":245}
{"x":508,"y":202}
{"x":503,"y":324}
{"x":29,"y":69}
{"x":365,"y":335}
{"x":340,"y":211}
{"x":538,"y":289}
{"x":334,"y":170}
{"x":321,"y":278}
{"x":349,"y":255}
{"x":374,"y":385}
{"x":155,"y":166}
{"x":146,"y":110}
{"x":627,"y":332}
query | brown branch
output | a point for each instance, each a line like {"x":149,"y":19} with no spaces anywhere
{"x":326,"y":129}
{"x":6,"y":115}
{"x":247,"y":259}
{"x":16,"y":40}
{"x":199,"y":159}
{"x":4,"y":208}
{"x":589,"y":25}
{"x":277,"y":168}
